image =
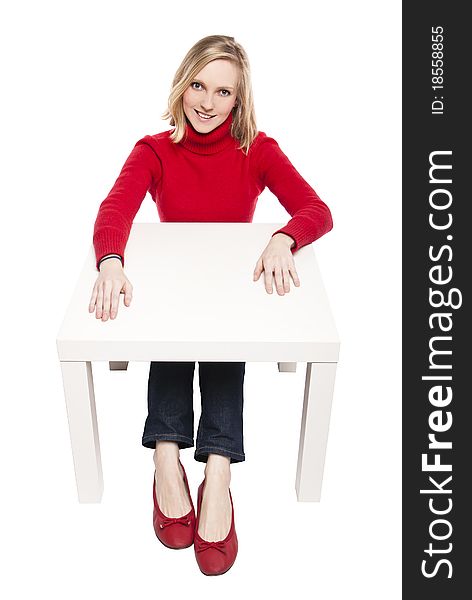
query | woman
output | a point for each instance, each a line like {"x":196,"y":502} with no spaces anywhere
{"x":211,"y":167}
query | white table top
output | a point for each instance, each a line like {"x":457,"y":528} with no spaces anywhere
{"x":194,"y":299}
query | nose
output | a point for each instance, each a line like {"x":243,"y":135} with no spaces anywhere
{"x":207,"y":104}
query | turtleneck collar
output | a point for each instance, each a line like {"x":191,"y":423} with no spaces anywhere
{"x":211,"y":142}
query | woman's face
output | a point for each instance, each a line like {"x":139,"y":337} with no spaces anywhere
{"x":212,"y":92}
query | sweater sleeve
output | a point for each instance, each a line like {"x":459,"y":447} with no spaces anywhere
{"x":116,"y":213}
{"x":311,"y":217}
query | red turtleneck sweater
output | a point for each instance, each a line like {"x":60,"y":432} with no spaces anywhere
{"x":205,"y":178}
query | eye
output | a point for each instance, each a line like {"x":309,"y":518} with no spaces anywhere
{"x":195,"y":83}
{"x":228,"y":93}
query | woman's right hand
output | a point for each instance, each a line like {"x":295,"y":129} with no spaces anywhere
{"x":111,"y":282}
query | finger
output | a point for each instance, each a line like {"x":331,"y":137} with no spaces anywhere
{"x":268,"y":279}
{"x":128,"y":289}
{"x":93,"y":299}
{"x":294,"y":275}
{"x":100,"y":301}
{"x":286,"y":279}
{"x":257,"y":270}
{"x":115,"y":295}
{"x":279,"y":281}
{"x":107,"y":299}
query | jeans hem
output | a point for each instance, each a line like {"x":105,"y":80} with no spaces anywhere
{"x":149,"y":441}
{"x":201,"y":454}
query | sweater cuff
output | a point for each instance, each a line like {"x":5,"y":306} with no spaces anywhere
{"x":107,"y":256}
{"x":301,"y":233}
{"x":109,"y":241}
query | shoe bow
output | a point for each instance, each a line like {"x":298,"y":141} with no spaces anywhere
{"x":172,"y":520}
{"x":204,"y":545}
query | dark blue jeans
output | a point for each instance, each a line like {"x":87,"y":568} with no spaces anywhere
{"x":170,"y":407}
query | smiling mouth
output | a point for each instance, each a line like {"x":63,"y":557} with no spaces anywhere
{"x":204,"y":115}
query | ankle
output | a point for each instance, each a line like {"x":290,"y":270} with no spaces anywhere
{"x":166,"y":455}
{"x":217,"y":468}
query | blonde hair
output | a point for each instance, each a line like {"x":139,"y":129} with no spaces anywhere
{"x":207,"y":49}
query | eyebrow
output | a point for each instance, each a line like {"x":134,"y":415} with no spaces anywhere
{"x":222,"y":87}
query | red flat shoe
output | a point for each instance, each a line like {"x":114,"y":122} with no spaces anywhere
{"x":174,"y":532}
{"x":215,"y":558}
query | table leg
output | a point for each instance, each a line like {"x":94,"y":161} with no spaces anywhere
{"x":116,"y":365}
{"x":289,"y":367}
{"x":80,"y":403}
{"x":319,"y":388}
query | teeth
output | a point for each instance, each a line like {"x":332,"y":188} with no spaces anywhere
{"x":203,"y":115}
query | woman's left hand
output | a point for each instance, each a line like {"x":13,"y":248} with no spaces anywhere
{"x":277,"y":259}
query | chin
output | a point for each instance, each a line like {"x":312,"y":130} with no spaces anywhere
{"x":201,"y":127}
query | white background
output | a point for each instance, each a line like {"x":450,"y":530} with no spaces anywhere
{"x":82,"y":82}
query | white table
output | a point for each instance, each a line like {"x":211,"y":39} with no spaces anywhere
{"x":194,"y":299}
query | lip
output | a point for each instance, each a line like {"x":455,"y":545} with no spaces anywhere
{"x":202,"y":118}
